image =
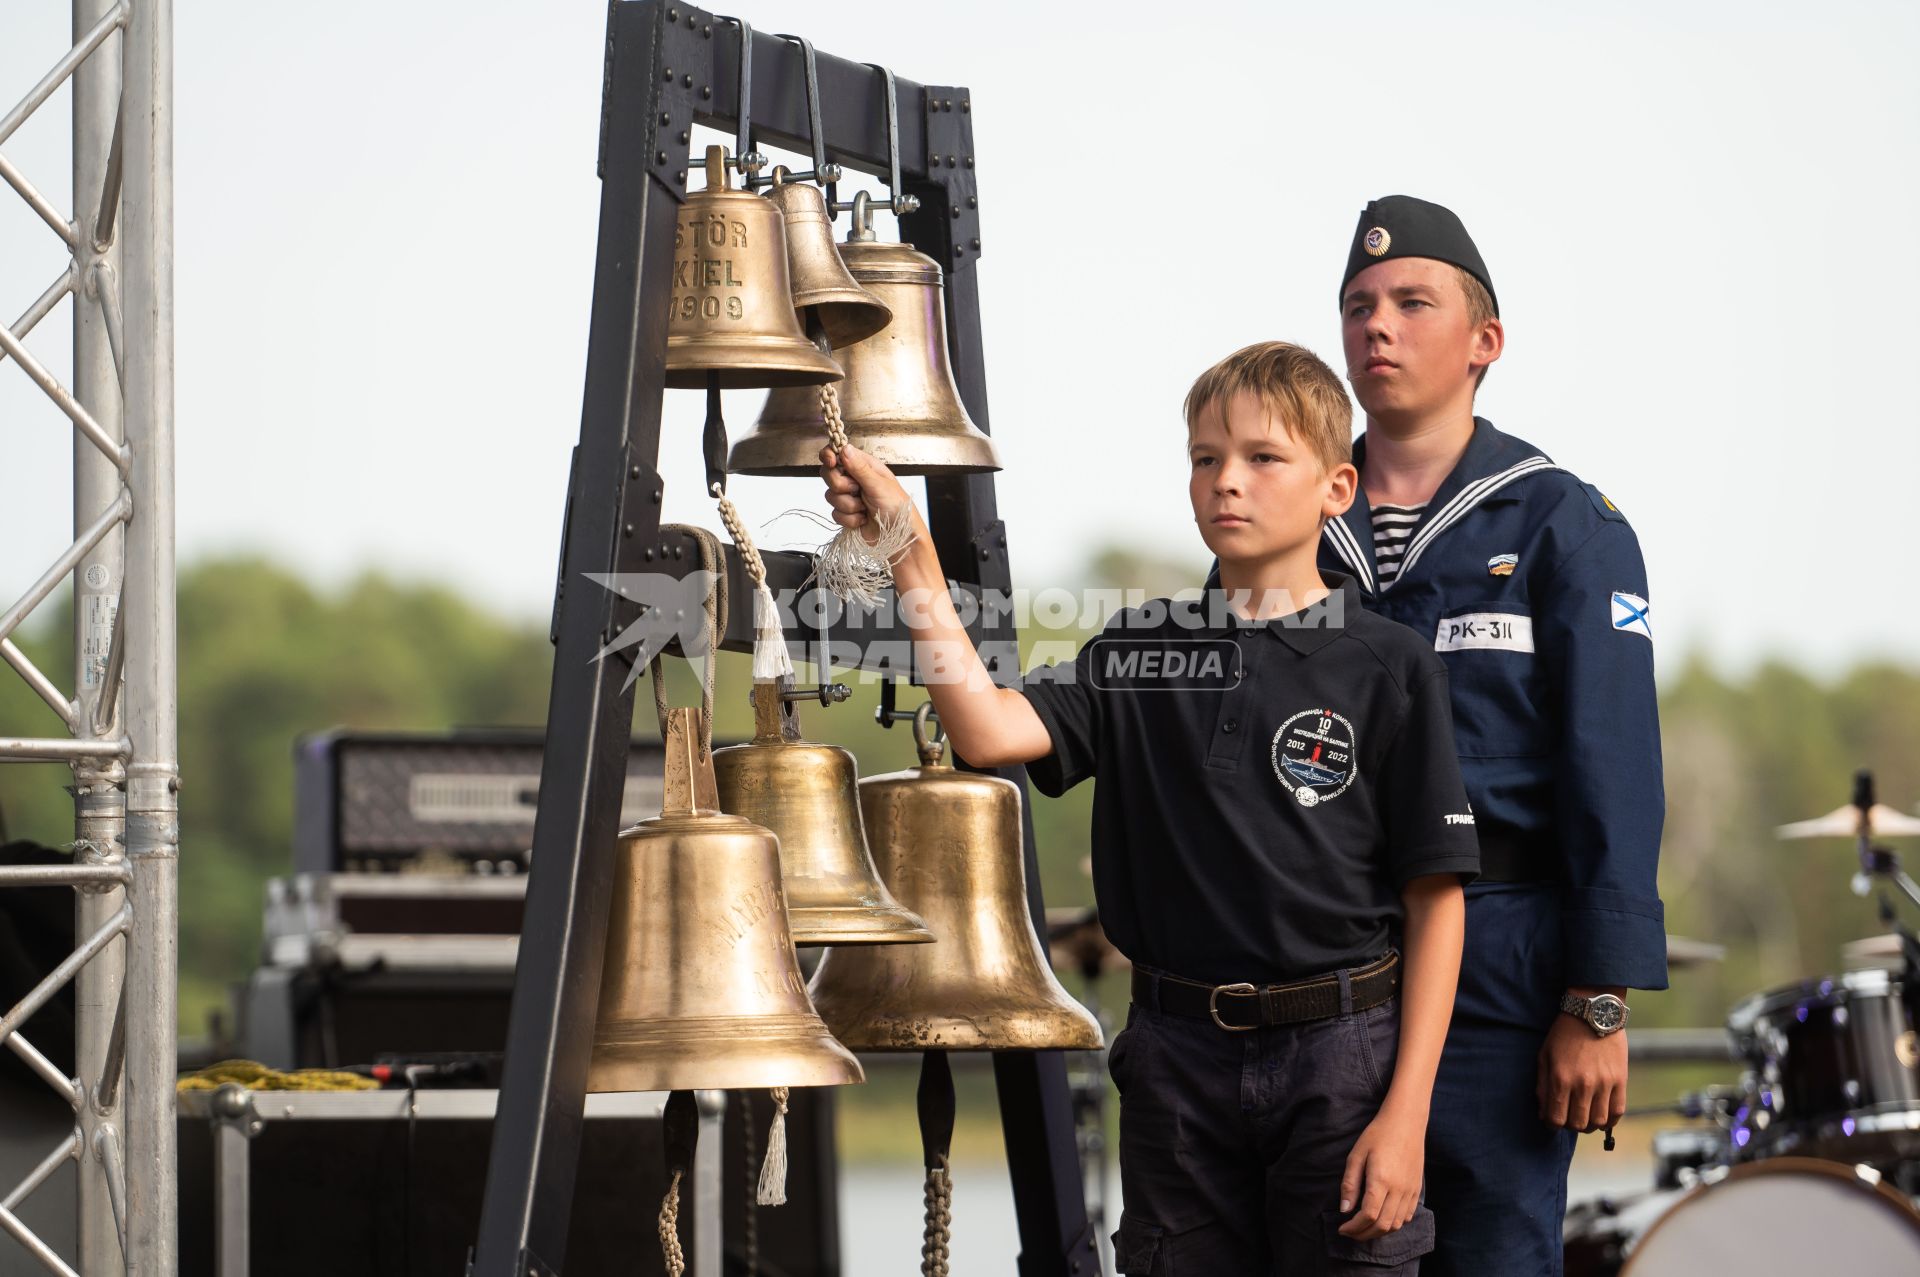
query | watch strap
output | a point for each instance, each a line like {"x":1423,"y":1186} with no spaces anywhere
{"x":1580,"y":1008}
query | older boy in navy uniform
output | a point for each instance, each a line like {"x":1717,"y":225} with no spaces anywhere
{"x":1268,"y":826}
{"x":1530,"y":585}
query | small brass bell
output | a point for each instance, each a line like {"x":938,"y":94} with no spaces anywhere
{"x":948,"y":844}
{"x":732,"y":307}
{"x":805,"y":792}
{"x":899,"y":401}
{"x":701,"y":987}
{"x":846,"y":312}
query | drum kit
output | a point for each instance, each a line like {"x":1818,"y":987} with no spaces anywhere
{"x":1810,"y":1162}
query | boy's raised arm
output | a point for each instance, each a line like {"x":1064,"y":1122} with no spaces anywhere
{"x":989,"y":726}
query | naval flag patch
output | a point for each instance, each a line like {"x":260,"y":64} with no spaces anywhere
{"x":1630,"y":614}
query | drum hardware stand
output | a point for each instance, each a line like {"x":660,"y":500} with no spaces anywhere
{"x":669,"y":66}
{"x":1883,"y":863}
{"x":1877,"y":862}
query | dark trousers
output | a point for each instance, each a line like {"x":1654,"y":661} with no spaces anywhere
{"x":1497,"y":1174}
{"x":1232,"y":1146}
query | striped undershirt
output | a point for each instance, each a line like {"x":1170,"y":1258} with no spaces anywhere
{"x":1392,"y":529}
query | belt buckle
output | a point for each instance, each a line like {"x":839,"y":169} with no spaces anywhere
{"x":1213,"y":1005}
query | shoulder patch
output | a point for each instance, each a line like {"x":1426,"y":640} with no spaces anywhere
{"x":1608,"y":510}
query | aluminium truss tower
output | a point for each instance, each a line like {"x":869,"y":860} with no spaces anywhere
{"x":121,"y":718}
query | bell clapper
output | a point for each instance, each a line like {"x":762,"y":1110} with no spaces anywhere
{"x":680,"y":1129}
{"x":713,"y":437}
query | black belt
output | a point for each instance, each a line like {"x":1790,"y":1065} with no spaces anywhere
{"x":1244,"y":1006}
{"x":1507,"y":855}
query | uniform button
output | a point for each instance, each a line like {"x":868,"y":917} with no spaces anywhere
{"x":1230,"y":725}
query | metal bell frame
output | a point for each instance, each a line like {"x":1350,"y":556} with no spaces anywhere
{"x":670,"y":66}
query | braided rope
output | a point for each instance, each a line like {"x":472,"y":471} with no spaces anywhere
{"x":670,"y":1247}
{"x":830,"y":409}
{"x":749,"y":556}
{"x":848,"y":567}
{"x":716,"y":608}
{"x":770,"y":659}
{"x":939,"y":1214}
{"x":256,"y":1076}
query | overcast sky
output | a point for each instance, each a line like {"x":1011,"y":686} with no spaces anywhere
{"x":1698,"y":218}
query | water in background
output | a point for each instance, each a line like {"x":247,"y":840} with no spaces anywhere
{"x":880,"y":1213}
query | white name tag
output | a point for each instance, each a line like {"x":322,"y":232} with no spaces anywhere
{"x":1484,"y":631}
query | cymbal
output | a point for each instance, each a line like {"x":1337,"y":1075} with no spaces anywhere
{"x":1682,"y":952}
{"x":1871,"y":948}
{"x":1844,"y":822}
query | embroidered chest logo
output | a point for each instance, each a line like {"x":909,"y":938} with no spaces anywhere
{"x":1313,"y":755}
{"x":1502,"y":564}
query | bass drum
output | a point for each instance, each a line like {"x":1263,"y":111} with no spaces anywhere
{"x":1784,"y":1217}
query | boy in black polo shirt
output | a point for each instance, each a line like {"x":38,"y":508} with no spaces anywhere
{"x":1281,"y":804}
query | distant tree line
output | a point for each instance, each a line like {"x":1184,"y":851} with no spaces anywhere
{"x":266,"y":657}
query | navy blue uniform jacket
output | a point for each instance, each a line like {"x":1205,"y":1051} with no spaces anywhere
{"x":1530,"y":585}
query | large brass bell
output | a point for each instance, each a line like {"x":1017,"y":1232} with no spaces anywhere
{"x":805,"y":792}
{"x":948,"y":844}
{"x":701,"y":987}
{"x":732,"y":313}
{"x":823,"y":290}
{"x":898,"y":402}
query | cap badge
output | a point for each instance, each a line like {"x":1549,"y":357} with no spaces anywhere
{"x":1502,"y":564}
{"x":1377,"y":242}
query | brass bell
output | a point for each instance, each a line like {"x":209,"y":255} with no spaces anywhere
{"x":948,"y":844}
{"x":899,"y":402}
{"x":805,"y":792}
{"x":846,"y":312}
{"x":701,"y":987}
{"x":732,"y":307}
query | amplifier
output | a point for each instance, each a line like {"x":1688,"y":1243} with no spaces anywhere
{"x":458,"y":802}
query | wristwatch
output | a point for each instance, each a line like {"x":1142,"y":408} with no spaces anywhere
{"x":1603,"y":1013}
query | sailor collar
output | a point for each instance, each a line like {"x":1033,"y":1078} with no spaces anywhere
{"x":1491,"y":462}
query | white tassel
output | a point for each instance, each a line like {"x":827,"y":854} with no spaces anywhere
{"x":770,"y":659}
{"x":773,"y":1171}
{"x":851,"y":569}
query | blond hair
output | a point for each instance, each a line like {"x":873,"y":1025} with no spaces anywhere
{"x":1296,"y":386}
{"x":1479,"y":309}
